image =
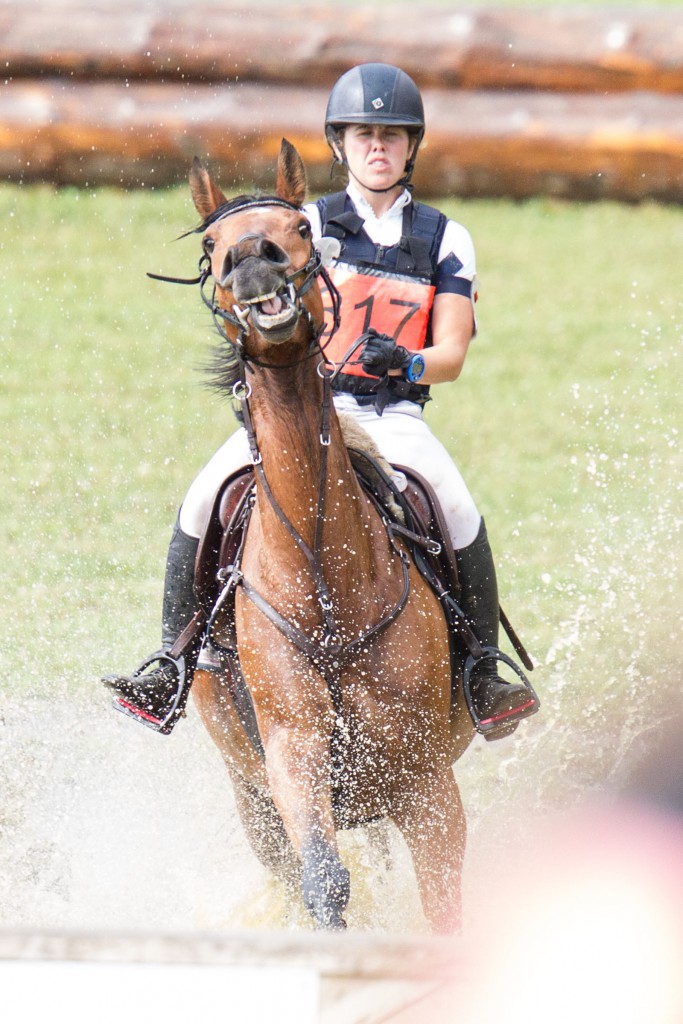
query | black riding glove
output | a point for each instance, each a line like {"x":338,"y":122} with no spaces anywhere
{"x":380,"y":353}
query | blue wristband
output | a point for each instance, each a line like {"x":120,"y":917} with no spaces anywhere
{"x":416,"y":368}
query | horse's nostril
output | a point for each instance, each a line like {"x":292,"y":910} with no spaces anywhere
{"x":228,"y":266}
{"x":273,"y":254}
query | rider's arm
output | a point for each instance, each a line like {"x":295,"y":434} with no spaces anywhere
{"x":453,"y":323}
{"x":452,"y":331}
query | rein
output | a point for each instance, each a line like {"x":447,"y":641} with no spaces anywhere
{"x":330,"y":652}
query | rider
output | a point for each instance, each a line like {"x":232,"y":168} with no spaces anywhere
{"x":406,"y":276}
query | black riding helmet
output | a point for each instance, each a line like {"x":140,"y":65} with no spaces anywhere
{"x":376,"y":94}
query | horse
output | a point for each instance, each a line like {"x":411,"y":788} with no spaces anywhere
{"x":342,"y":645}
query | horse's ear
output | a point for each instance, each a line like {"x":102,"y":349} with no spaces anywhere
{"x":291,"y":175}
{"x":206,"y":196}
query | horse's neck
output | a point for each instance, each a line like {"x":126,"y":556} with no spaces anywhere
{"x":286,"y":409}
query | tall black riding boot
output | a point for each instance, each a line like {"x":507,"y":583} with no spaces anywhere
{"x":497,"y":703}
{"x":156,"y":693}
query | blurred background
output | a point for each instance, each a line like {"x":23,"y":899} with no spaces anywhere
{"x":555,"y":134}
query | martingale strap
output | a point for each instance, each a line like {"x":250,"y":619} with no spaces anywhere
{"x":329,"y":653}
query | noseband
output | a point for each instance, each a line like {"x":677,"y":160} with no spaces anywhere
{"x":238,"y":316}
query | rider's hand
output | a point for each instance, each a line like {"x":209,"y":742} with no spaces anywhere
{"x":380,"y":353}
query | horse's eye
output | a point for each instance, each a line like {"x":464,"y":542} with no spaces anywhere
{"x":305,"y":229}
{"x":209,"y":245}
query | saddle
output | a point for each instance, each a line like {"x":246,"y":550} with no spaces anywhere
{"x":412,"y":516}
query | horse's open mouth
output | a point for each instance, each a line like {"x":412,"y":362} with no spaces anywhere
{"x":273,"y":314}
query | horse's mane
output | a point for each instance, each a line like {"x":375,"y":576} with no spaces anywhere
{"x":221,"y":369}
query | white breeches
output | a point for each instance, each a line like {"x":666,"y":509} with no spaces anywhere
{"x":402,"y":436}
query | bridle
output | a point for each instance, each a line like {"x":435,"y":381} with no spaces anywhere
{"x":330,"y":652}
{"x":238,"y":316}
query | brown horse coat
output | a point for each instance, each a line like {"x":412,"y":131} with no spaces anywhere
{"x":387,"y":746}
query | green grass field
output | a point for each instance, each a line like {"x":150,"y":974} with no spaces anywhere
{"x":565,"y":423}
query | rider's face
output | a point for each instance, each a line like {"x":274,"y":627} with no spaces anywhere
{"x":376,"y":154}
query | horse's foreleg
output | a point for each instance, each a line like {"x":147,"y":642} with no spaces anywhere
{"x":298,"y":766}
{"x":432,"y":820}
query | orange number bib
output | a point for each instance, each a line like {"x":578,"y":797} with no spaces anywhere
{"x":394,"y":305}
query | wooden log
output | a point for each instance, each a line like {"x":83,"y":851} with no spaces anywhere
{"x":625,"y":146}
{"x":576,"y":49}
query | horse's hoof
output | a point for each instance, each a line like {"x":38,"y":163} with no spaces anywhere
{"x":325,"y":885}
{"x":331,"y":924}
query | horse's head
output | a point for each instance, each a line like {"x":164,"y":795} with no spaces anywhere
{"x":261,"y":258}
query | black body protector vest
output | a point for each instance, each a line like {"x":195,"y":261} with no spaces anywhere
{"x":389,"y":288}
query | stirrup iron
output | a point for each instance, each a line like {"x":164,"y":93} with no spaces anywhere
{"x":497,"y":726}
{"x":174,"y":707}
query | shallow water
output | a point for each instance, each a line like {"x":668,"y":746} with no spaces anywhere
{"x":106,"y":825}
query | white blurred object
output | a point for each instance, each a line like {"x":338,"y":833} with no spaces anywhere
{"x":328,"y":250}
{"x":588,"y":925}
{"x":172,"y":993}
